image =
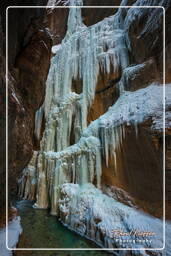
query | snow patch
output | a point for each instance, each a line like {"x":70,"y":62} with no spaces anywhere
{"x":14,"y":231}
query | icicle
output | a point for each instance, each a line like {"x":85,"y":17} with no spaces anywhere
{"x":38,"y":121}
{"x":81,"y":55}
{"x":98,"y":167}
{"x":115,"y":161}
{"x":83,"y":170}
{"x":55,"y":189}
{"x":74,"y":19}
{"x":106,"y":146}
{"x":91,"y":166}
{"x":136,"y":129}
{"x":42,"y":195}
{"x":28,"y":181}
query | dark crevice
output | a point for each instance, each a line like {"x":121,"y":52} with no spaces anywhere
{"x":110,"y":84}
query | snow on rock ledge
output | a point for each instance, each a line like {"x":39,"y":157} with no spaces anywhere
{"x":132,"y":108}
{"x":89,"y":212}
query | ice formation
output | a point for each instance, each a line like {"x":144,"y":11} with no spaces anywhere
{"x":91,"y":213}
{"x":132,"y":108}
{"x":38,"y":121}
{"x":84,"y":54}
{"x":27,"y":188}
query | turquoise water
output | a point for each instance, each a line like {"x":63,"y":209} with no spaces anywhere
{"x":41,"y":230}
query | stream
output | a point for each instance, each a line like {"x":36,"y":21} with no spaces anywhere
{"x":41,"y":230}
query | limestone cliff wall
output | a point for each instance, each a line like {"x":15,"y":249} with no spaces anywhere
{"x":29,"y":49}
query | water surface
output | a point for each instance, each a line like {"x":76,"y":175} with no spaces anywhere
{"x":41,"y":230}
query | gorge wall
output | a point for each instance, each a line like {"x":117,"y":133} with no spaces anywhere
{"x":24,"y":45}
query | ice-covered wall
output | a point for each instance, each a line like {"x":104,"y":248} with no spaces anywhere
{"x":109,"y":223}
{"x":131,"y":109}
{"x":84,"y":54}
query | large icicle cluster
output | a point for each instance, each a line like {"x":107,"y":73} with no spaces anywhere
{"x":80,"y":163}
{"x":64,"y":112}
{"x":83,"y":54}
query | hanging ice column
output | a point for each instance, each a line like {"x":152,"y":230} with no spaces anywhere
{"x":84,"y":53}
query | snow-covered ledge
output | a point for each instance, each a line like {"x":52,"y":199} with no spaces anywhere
{"x":111,"y":224}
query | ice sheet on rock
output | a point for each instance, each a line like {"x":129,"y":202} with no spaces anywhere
{"x":132,"y":108}
{"x":152,"y":18}
{"x":92,"y":214}
{"x":159,"y":121}
{"x":129,"y":72}
{"x":135,"y":107}
{"x":14,"y":231}
{"x":74,"y":18}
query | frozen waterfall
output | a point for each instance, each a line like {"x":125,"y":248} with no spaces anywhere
{"x":84,"y":54}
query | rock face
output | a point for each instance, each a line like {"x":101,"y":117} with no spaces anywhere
{"x":29,"y":50}
{"x":103,"y":123}
{"x":26,"y":94}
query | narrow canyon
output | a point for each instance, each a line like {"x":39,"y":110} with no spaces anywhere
{"x":88,"y":128}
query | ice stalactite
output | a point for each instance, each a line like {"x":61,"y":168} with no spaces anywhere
{"x":74,"y":19}
{"x":57,"y":133}
{"x":83,"y":54}
{"x":38,"y":121}
{"x":80,"y":163}
{"x":28,"y":181}
{"x":129,"y":72}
